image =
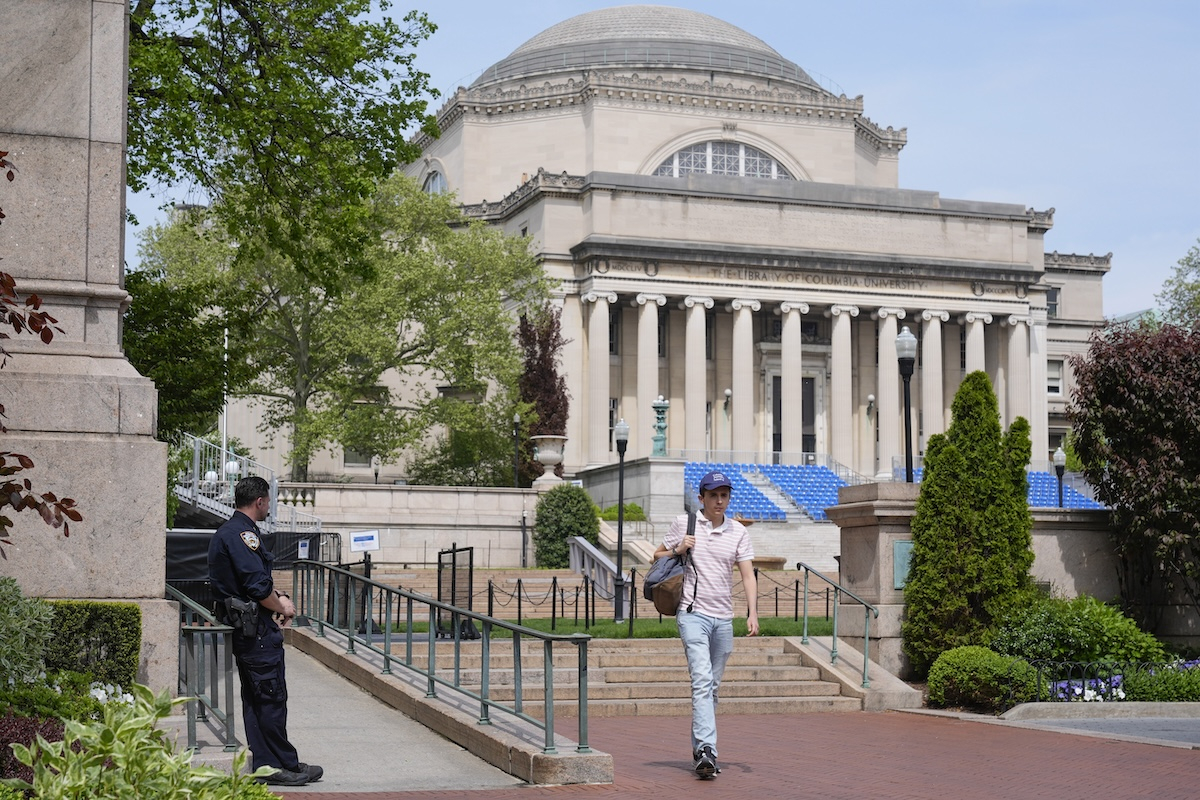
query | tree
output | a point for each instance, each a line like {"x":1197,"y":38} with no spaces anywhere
{"x":25,"y":316}
{"x":476,"y":449}
{"x":542,"y":387}
{"x":971,"y":530}
{"x":1180,"y":295}
{"x":267,"y":105}
{"x":1135,"y":413}
{"x":353,"y":363}
{"x":564,"y":512}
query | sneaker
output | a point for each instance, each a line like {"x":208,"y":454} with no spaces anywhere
{"x":706,"y":763}
{"x":314,"y":772}
{"x":286,"y":777}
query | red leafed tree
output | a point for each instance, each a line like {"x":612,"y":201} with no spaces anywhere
{"x":16,"y":491}
{"x":1135,"y":412}
{"x":541,"y":384}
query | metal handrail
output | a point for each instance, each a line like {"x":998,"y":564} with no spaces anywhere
{"x":202,"y":640}
{"x":322,"y":600}
{"x":590,"y":562}
{"x":838,"y":591}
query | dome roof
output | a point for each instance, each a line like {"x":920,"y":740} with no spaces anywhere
{"x":644,"y":35}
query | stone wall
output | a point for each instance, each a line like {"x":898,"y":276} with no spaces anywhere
{"x":76,"y":406}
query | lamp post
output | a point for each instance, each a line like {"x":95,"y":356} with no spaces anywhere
{"x":906,"y":354}
{"x":517,"y":450}
{"x":1060,"y":466}
{"x":232,"y":470}
{"x":621,"y":435}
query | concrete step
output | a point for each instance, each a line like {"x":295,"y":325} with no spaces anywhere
{"x":732,"y":674}
{"x":670,"y":691}
{"x":659,"y":707}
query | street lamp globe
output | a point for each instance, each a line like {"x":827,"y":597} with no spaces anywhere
{"x":906,"y":354}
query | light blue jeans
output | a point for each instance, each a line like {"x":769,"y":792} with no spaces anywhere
{"x":708,"y":643}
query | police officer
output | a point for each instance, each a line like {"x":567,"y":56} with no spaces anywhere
{"x":239,"y":568}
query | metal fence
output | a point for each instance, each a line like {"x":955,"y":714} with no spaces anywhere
{"x":205,"y":670}
{"x":326,"y":596}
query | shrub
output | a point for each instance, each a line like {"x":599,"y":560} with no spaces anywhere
{"x":633,"y":513}
{"x":1082,"y":629}
{"x":123,"y":755}
{"x":563,"y":512}
{"x":66,"y":695}
{"x":102,"y":638}
{"x":970,"y":530}
{"x":1176,"y":683}
{"x":25,"y":628}
{"x":977,"y":678}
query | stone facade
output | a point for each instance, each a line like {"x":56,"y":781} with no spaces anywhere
{"x":76,"y":406}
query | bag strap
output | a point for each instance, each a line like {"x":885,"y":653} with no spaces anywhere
{"x":687,"y":559}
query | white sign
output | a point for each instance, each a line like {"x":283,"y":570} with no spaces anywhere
{"x":361,"y":541}
{"x":302,"y":549}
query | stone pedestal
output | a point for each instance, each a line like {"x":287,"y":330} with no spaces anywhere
{"x":873,"y":518}
{"x":76,"y":406}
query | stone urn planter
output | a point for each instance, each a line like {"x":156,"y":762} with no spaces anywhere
{"x":549,"y":455}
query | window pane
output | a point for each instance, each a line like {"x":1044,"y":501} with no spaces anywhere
{"x":1054,"y":370}
{"x":723,"y":158}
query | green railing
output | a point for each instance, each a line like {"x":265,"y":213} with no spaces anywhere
{"x":868,"y":611}
{"x":202,"y":641}
{"x":330,"y":597}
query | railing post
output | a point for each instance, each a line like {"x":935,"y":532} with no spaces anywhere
{"x":804,"y":633}
{"x":430,"y":690}
{"x":520,"y":592}
{"x":866,"y":683}
{"x":582,"y":679}
{"x":553,"y":601}
{"x":836,"y":602}
{"x":485,"y":674}
{"x":548,"y":694}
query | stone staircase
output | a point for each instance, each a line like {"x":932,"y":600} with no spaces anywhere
{"x":649,"y":677}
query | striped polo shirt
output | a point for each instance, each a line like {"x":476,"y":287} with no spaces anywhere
{"x":716,"y":552}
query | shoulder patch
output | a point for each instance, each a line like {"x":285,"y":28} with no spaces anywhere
{"x":251,"y":539}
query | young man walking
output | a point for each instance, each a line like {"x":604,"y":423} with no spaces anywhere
{"x":705,"y":617}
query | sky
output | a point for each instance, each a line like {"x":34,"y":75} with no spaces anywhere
{"x":1088,"y":107}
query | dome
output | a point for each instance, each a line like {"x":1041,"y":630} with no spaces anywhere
{"x":657,"y":36}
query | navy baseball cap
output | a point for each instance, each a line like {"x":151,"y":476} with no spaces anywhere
{"x":714,"y":480}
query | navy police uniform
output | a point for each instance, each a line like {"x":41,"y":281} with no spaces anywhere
{"x":239,"y":566}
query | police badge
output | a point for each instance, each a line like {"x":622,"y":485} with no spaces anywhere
{"x":251,"y":539}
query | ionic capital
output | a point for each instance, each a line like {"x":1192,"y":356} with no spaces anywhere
{"x":976,"y":316}
{"x":739,"y":304}
{"x":836,"y":310}
{"x":788,"y":306}
{"x":595,"y":296}
{"x":884,"y":313}
{"x":690,"y":301}
{"x":1018,"y":319}
{"x":643,"y":298}
{"x":929,"y":315}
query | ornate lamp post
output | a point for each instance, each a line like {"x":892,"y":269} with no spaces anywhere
{"x":621,"y":436}
{"x":517,"y":450}
{"x":906,"y":354}
{"x":1060,"y":466}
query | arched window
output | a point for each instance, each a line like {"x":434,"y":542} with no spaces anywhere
{"x":435,"y":183}
{"x":723,"y":158}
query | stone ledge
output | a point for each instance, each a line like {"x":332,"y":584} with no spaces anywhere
{"x":497,"y":744}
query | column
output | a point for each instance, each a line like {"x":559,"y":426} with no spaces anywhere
{"x":952,"y":369}
{"x":695,"y":375}
{"x":841,"y":417}
{"x":597,"y":372}
{"x":976,"y":355}
{"x":742,"y":401}
{"x":889,"y":404}
{"x":1039,"y":409}
{"x":932,"y":402}
{"x":574,"y":356}
{"x":642,"y":425}
{"x":1018,"y":366}
{"x":792,"y":380}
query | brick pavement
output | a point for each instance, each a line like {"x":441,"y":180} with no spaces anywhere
{"x":860,"y":755}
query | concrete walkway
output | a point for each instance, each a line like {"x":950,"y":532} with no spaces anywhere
{"x":372,"y":752}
